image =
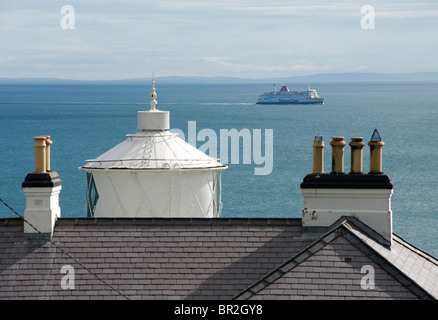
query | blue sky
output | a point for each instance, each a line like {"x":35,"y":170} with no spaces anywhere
{"x":118,"y":39}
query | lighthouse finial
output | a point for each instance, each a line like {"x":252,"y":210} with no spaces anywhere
{"x":153,"y":94}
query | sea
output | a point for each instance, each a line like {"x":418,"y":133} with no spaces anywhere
{"x":86,"y":119}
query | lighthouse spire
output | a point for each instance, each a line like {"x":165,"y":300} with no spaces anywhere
{"x":153,"y":94}
{"x":153,"y":119}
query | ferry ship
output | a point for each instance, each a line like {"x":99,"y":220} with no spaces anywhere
{"x":284,"y":96}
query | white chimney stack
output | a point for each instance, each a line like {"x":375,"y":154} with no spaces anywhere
{"x":367,"y":197}
{"x":42,"y":189}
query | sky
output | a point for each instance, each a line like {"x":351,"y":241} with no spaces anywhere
{"x":124,"y":39}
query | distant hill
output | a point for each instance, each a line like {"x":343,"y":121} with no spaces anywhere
{"x":370,"y":76}
{"x":323,"y":77}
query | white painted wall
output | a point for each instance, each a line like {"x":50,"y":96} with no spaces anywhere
{"x":164,"y":193}
{"x":323,"y":206}
{"x":42,"y":209}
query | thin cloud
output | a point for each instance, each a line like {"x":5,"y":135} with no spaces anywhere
{"x":256,"y":66}
{"x":245,"y":38}
{"x":6,"y":59}
{"x":408,"y":14}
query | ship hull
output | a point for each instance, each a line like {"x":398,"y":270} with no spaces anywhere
{"x":290,"y":102}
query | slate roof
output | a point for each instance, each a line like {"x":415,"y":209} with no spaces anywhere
{"x":216,"y":258}
{"x":331,"y":268}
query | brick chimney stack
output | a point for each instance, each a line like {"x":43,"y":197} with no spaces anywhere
{"x":41,"y":189}
{"x":367,"y":197}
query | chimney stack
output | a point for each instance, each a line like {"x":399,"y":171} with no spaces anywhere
{"x":331,"y":196}
{"x":41,"y":189}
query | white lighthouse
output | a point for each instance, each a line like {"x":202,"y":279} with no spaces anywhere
{"x":153,"y":173}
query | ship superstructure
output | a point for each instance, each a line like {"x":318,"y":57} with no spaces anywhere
{"x":284,"y":96}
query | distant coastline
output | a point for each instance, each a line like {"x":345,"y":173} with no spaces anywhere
{"x":323,"y":77}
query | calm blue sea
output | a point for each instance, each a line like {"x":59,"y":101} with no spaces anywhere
{"x":86,"y":120}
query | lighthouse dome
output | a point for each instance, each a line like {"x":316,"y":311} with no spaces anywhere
{"x":153,"y":173}
{"x":153,"y":150}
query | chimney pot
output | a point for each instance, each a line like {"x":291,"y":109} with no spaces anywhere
{"x":318,"y":154}
{"x":40,"y":154}
{"x":356,"y":145}
{"x":376,"y":145}
{"x":338,"y":145}
{"x":48,"y":143}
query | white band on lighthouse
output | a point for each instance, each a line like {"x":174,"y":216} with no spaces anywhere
{"x":153,"y":119}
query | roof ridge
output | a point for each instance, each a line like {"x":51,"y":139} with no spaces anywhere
{"x":355,"y":222}
{"x":178,"y":221}
{"x":11,"y":221}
